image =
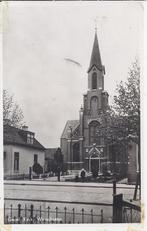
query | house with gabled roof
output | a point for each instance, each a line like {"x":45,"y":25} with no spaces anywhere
{"x":21,"y":150}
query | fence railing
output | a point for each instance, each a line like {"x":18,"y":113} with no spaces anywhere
{"x":39,"y":214}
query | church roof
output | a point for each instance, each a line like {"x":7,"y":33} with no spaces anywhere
{"x":95,"y":56}
{"x":73,"y":124}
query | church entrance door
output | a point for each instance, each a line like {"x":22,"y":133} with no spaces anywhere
{"x":94,"y":160}
{"x":94,"y":165}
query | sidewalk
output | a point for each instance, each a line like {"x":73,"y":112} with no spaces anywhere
{"x":40,"y":182}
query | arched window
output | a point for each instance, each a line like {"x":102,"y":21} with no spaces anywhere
{"x":94,"y":133}
{"x":94,"y":80}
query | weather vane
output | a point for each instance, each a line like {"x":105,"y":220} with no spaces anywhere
{"x":100,"y":19}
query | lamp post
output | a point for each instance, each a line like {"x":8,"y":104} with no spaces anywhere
{"x":71,"y":157}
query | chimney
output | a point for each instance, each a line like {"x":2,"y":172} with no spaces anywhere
{"x":25,"y":128}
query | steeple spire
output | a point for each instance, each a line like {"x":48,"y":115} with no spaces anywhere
{"x":95,"y":56}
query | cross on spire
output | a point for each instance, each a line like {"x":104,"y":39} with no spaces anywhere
{"x":96,"y":22}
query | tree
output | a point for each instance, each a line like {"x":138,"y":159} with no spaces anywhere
{"x":58,"y":157}
{"x":127,"y":105}
{"x":127,"y":102}
{"x":121,"y":122}
{"x":12,"y":113}
{"x":58,"y":161}
{"x":37,"y":168}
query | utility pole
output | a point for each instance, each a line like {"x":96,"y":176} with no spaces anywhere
{"x":71,"y":156}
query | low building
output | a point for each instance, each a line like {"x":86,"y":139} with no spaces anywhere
{"x":21,"y":150}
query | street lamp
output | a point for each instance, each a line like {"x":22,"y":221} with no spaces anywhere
{"x":70,"y":134}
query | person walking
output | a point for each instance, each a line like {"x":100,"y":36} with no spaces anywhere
{"x":83,"y":173}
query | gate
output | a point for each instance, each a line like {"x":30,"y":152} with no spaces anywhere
{"x":124,"y":211}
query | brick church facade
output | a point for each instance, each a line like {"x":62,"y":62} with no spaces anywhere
{"x":82,"y":143}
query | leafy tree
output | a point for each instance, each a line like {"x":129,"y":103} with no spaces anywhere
{"x":57,"y":163}
{"x":127,"y":105}
{"x":37,"y":168}
{"x":12,"y":113}
{"x":121,"y":122}
{"x":127,"y":102}
{"x":58,"y":157}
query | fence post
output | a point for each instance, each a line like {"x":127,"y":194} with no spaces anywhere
{"x":65,"y":214}
{"x":117,"y":208}
{"x":40,"y":215}
{"x":31,"y":214}
{"x":25,"y":214}
{"x":56,"y":214}
{"x":48,"y":211}
{"x":11,"y":211}
{"x":19,"y":212}
{"x":101,"y":215}
{"x":91,"y":215}
{"x":73,"y":213}
{"x":82,"y":215}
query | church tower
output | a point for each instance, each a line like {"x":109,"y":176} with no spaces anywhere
{"x":82,"y":143}
{"x":92,"y":144}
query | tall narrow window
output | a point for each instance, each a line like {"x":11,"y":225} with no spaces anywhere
{"x":94,"y":106}
{"x":30,"y":138}
{"x":76,"y":152}
{"x":94,"y":133}
{"x":35,"y":158}
{"x":94,"y":80}
{"x":16,"y":161}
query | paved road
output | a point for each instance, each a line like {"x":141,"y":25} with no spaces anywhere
{"x":58,"y":192}
{"x":61,"y":192}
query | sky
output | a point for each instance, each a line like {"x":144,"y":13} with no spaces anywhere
{"x":38,"y":40}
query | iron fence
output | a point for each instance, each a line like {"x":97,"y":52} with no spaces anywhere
{"x":32,"y":214}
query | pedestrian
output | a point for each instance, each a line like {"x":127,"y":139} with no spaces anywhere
{"x":83,"y":173}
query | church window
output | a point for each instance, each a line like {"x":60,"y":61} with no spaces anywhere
{"x":94,"y":106}
{"x":94,"y":133}
{"x":76,"y":152}
{"x":94,"y":80}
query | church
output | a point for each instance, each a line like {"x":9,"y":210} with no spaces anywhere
{"x":82,"y":142}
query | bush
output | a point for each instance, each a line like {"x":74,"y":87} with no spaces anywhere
{"x":37,"y":168}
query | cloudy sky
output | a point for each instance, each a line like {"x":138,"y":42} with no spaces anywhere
{"x":40,"y":37}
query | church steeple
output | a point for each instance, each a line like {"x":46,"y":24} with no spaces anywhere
{"x":95,"y":56}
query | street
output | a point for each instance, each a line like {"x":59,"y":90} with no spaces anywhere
{"x":84,"y":195}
